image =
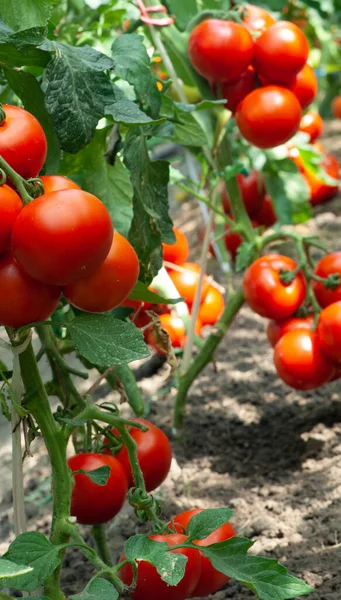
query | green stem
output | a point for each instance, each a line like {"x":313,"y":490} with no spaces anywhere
{"x":98,"y":532}
{"x":16,"y":179}
{"x":203,"y":199}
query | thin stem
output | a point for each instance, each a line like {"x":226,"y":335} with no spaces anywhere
{"x":98,"y":532}
{"x":17,"y":180}
{"x":203,"y":199}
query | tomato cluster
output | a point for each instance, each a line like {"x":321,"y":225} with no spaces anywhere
{"x":260,"y":68}
{"x":305,"y":356}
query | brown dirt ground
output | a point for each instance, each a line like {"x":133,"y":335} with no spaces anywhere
{"x":251,"y":443}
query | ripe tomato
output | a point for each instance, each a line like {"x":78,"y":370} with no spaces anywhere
{"x":252,"y":190}
{"x":212,"y":307}
{"x":305,"y":86}
{"x":329,"y":264}
{"x":23,"y":300}
{"x":280,"y":53}
{"x":235,"y":91}
{"x":312,"y":124}
{"x":22,"y":141}
{"x":320,"y":191}
{"x":91,"y":503}
{"x":329,"y":331}
{"x":267,"y":215}
{"x":150,"y":586}
{"x":276,"y":329}
{"x":175,"y":328}
{"x":300,"y":362}
{"x":220,"y":50}
{"x":336,"y":107}
{"x":186,"y":282}
{"x":154,"y":454}
{"x":265,"y":292}
{"x":269,"y":116}
{"x":62,"y":236}
{"x":178,"y":252}
{"x":53,"y":183}
{"x":232,"y":241}
{"x":10,"y":207}
{"x":112,"y":281}
{"x":210,"y":580}
{"x":257,"y":18}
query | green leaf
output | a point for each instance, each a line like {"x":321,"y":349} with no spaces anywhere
{"x":143,"y":294}
{"x":183,"y":10}
{"x":98,"y":588}
{"x":27,"y":88}
{"x":132,"y":63}
{"x":125,"y":111}
{"x":25,"y":13}
{"x":98,"y":476}
{"x":77,"y":92}
{"x":288,"y":190}
{"x":29,"y":56}
{"x":106,"y":341}
{"x":186,"y":130}
{"x":34,"y":550}
{"x":170,"y":566}
{"x":203,"y":105}
{"x":9,"y":569}
{"x":110,"y":183}
{"x":203,"y":524}
{"x":245,"y":255}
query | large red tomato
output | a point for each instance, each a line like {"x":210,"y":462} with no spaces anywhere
{"x":178,"y":252}
{"x":328,"y":265}
{"x":150,"y":586}
{"x":336,"y":107}
{"x":54,"y":183}
{"x":235,"y":91}
{"x":91,"y":503}
{"x":252,"y":191}
{"x":212,"y":307}
{"x":220,"y":50}
{"x":257,"y":18}
{"x":23,"y":300}
{"x":111,"y":283}
{"x":305,"y":86}
{"x":62,"y":236}
{"x":210,"y":580}
{"x":312,"y":124}
{"x":276,"y":329}
{"x":329,"y":331}
{"x":267,"y":215}
{"x":10,"y":207}
{"x":300,"y":362}
{"x":266,"y":293}
{"x":154,"y":454}
{"x":280,"y":53}
{"x":186,"y":282}
{"x":22,"y":141}
{"x":269,"y":116}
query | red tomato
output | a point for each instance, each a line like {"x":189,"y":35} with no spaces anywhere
{"x":23,"y":300}
{"x":175,"y":328}
{"x":276,"y":329}
{"x":220,"y":50}
{"x":267,"y":215}
{"x":210,"y":580}
{"x":232,"y":241}
{"x":212,"y":307}
{"x":235,"y":91}
{"x":312,"y":124}
{"x":154,"y":454}
{"x":257,"y":18}
{"x":329,"y":264}
{"x":150,"y":586}
{"x":63,"y":236}
{"x":91,"y":503}
{"x":112,"y":281}
{"x":280,"y":53}
{"x":252,"y":190}
{"x":336,"y":107}
{"x":329,"y":331}
{"x":22,"y":141}
{"x":135,"y":304}
{"x":305,"y":86}
{"x":320,"y":191}
{"x":265,"y":292}
{"x":178,"y":252}
{"x":331,"y":165}
{"x":10,"y":207}
{"x":300,"y":362}
{"x":54,"y":183}
{"x":269,"y":116}
{"x":186,"y":282}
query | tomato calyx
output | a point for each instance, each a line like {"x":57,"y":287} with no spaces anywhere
{"x":330,"y":282}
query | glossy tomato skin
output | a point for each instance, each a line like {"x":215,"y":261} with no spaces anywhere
{"x":336,"y":107}
{"x":178,"y":252}
{"x":329,"y":331}
{"x":235,"y":91}
{"x":94,"y":504}
{"x":10,"y":207}
{"x":23,"y":142}
{"x":312,"y":124}
{"x":267,"y":215}
{"x":305,"y":86}
{"x":232,"y":240}
{"x":269,"y":116}
{"x":186,"y":282}
{"x":252,"y":190}
{"x":175,"y":328}
{"x":62,"y":236}
{"x":276,"y":329}
{"x":264,"y":291}
{"x":257,"y":19}
{"x":149,"y":585}
{"x":329,"y":264}
{"x":111,"y":283}
{"x":54,"y":183}
{"x":212,"y":307}
{"x":23,"y":300}
{"x":220,"y":50}
{"x":154,"y":454}
{"x":210,"y":580}
{"x":280,"y":53}
{"x":300,"y":362}
{"x":320,"y":191}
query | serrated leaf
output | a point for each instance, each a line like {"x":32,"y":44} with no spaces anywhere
{"x":25,"y":13}
{"x":98,"y":476}
{"x":170,"y":566}
{"x":141,"y":292}
{"x":98,"y":588}
{"x":9,"y":569}
{"x":125,"y":111}
{"x":204,"y":523}
{"x":106,"y":341}
{"x":245,"y":255}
